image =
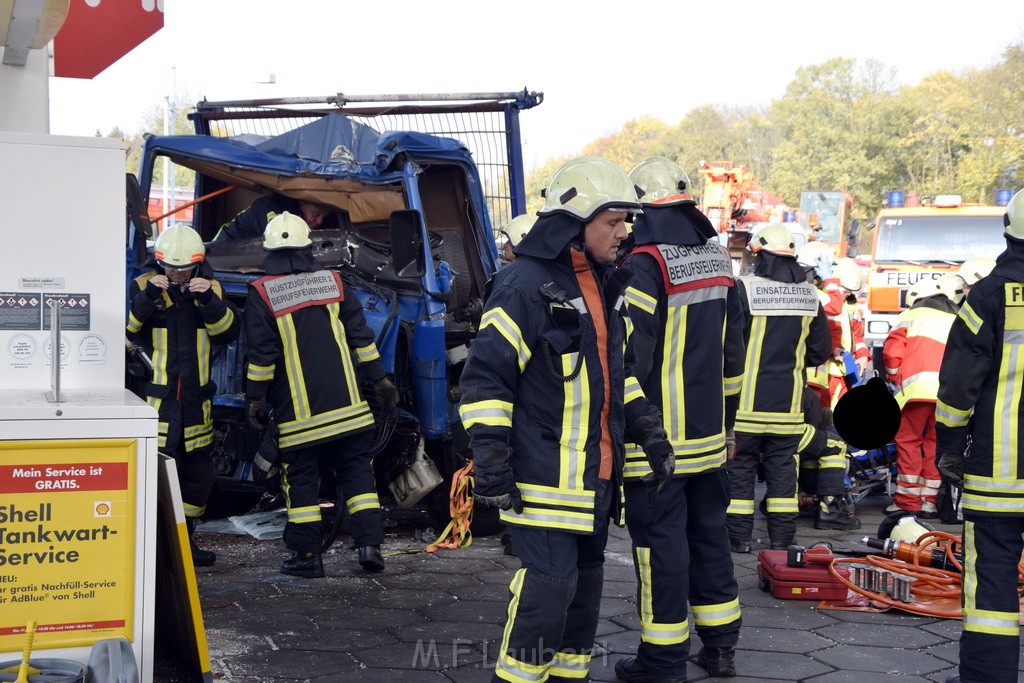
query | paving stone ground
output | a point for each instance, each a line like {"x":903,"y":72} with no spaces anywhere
{"x":438,"y":618}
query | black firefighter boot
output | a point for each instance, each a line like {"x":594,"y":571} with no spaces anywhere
{"x":836,"y":512}
{"x":370,"y":558}
{"x":200,"y":557}
{"x":717,"y":661}
{"x":308,"y":565}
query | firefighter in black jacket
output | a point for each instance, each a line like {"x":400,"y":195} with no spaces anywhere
{"x":686,"y":352}
{"x":304,"y":330}
{"x":543,"y":406}
{"x":786,"y":331}
{"x":175,"y":316}
{"x":979,"y":403}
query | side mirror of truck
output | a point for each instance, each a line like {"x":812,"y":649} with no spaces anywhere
{"x":406,"y":232}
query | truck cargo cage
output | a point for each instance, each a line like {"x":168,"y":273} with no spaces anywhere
{"x":486,"y":123}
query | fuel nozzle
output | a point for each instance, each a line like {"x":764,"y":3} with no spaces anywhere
{"x":913,"y":553}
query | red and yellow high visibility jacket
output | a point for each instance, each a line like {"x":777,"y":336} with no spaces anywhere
{"x":913,"y":350}
{"x":686,"y":349}
{"x":306,"y":335}
{"x":176,"y":331}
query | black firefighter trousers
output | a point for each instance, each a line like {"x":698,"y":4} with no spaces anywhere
{"x":990,"y":642}
{"x":349,"y":458}
{"x":779,"y":454}
{"x":680,"y":551}
{"x":555,"y":600}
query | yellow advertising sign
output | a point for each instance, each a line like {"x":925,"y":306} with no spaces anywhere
{"x":67,"y":541}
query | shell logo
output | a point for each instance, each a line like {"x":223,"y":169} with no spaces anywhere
{"x":101,"y":509}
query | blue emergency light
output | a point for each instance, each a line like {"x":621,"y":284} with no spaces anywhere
{"x":1003,"y":196}
{"x":894,"y":200}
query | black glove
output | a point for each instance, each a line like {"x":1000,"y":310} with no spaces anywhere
{"x":497,"y":489}
{"x":951,"y":468}
{"x":256,"y":413}
{"x":153,"y":293}
{"x":662,"y":459}
{"x":386,"y":393}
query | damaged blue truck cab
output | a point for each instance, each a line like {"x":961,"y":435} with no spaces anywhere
{"x":412,"y":217}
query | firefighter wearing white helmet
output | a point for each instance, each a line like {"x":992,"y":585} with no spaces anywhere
{"x":550,"y":349}
{"x":786,"y":331}
{"x":177,"y":312}
{"x":304,"y":329}
{"x":514,"y":233}
{"x":953,"y":287}
{"x":680,"y":272}
{"x":980,"y":402}
{"x":912,"y":354}
{"x":974,"y":269}
{"x":839,"y":301}
{"x":817,"y":258}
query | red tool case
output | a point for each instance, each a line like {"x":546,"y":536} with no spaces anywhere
{"x":810,"y":582}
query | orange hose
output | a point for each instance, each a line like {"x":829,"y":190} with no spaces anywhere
{"x":460,"y":505}
{"x":936,"y":591}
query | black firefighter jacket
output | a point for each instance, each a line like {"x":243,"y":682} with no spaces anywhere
{"x":176,"y":331}
{"x":786,"y":331}
{"x":306,"y":334}
{"x":981,"y":382}
{"x":534,"y":389}
{"x":686,"y":349}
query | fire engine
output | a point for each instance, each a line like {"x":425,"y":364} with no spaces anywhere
{"x":735,"y":202}
{"x":913,"y":242}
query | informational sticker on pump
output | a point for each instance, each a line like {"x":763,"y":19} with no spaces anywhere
{"x":67,"y":539}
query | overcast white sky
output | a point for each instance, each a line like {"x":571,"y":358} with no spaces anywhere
{"x":598,"y":63}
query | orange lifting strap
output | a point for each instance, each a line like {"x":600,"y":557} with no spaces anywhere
{"x":460,"y":505}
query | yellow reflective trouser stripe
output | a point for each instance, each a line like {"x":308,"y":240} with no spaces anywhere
{"x":260,"y":373}
{"x":783,"y":505}
{"x":507,"y":328}
{"x":365,"y":354}
{"x":716,"y":615}
{"x":508,"y":668}
{"x":364,"y":501}
{"x":641,"y":300}
{"x":650,"y":630}
{"x":221,"y":325}
{"x":981,"y":620}
{"x":134,"y":324}
{"x":570,"y":665}
{"x":304,"y":515}
{"x":805,"y":439}
{"x":740,"y":506}
{"x":492,"y":413}
{"x":193,"y":510}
